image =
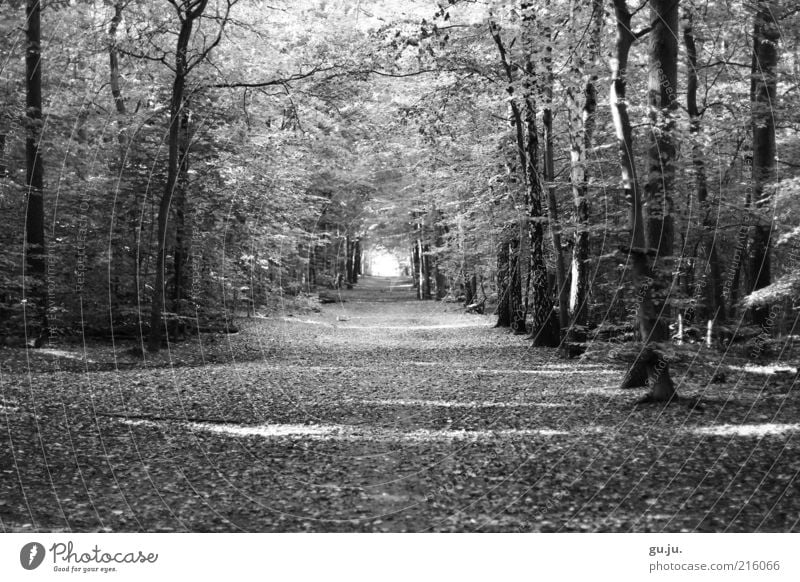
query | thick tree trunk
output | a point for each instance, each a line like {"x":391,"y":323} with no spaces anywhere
{"x":34,"y":176}
{"x":763,"y":98}
{"x":662,"y":155}
{"x":651,"y":327}
{"x":710,"y":281}
{"x":543,"y":324}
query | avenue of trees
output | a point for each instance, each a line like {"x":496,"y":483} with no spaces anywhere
{"x":587,"y":169}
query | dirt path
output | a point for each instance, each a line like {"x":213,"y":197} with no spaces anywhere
{"x":384,"y":413}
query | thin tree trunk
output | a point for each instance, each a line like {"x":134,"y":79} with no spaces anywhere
{"x":581,"y":138}
{"x":34,"y":176}
{"x":348,"y":261}
{"x":183,"y":232}
{"x":426,"y":272}
{"x":113,"y":58}
{"x":552,"y":205}
{"x":416,"y":268}
{"x":711,"y":278}
{"x":356,"y":259}
{"x":176,"y":107}
{"x":519,"y":252}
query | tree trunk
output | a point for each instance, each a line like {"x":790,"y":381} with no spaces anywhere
{"x":425,"y":261}
{"x":348,"y":261}
{"x":469,"y":296}
{"x":176,"y":111}
{"x":356,"y":259}
{"x":581,"y":138}
{"x":113,"y":59}
{"x":710,"y":281}
{"x":34,"y":176}
{"x":416,"y":268}
{"x":503,"y":310}
{"x":439,"y":278}
{"x":763,"y":98}
{"x":542,"y":330}
{"x":662,"y":101}
{"x":552,"y":205}
{"x":650,"y":363}
{"x":518,"y":250}
{"x":516,"y":309}
{"x":183,"y":233}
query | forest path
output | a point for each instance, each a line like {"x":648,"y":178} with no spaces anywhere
{"x":384,"y":413}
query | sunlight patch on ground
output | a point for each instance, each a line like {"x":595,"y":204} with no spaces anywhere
{"x":349,"y":433}
{"x":269,"y":430}
{"x":457,"y":404}
{"x":543,"y":371}
{"x":602,"y":389}
{"x":765,"y":370}
{"x":63,"y":354}
{"x":411,"y":327}
{"x":309,"y":321}
{"x":748,"y":430}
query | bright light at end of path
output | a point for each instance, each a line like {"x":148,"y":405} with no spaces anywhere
{"x":385,"y":264}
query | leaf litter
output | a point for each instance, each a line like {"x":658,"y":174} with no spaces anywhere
{"x":390,"y":415}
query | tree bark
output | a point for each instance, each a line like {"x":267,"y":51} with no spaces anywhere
{"x":662,"y":155}
{"x":503,"y":310}
{"x":426,"y":271}
{"x":542,"y":330}
{"x":763,"y":98}
{"x":113,"y":58}
{"x":183,"y":232}
{"x":416,"y":267}
{"x":654,"y":365}
{"x":581,"y":138}
{"x":35,"y":253}
{"x":710,"y":281}
{"x":187,"y":20}
{"x":348,"y":261}
{"x":356,"y":259}
{"x":519,"y":257}
{"x":552,"y":205}
{"x":516,"y":309}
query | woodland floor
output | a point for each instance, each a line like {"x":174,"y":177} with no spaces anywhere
{"x":384,"y":414}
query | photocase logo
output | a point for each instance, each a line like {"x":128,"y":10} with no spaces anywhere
{"x":31,"y":555}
